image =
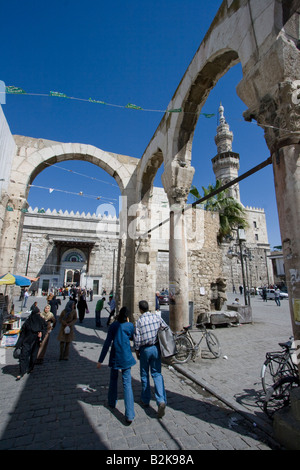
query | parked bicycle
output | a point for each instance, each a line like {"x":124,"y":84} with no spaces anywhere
{"x":279,"y":376}
{"x":278,"y":396}
{"x":187,"y":348}
{"x":278,"y":364}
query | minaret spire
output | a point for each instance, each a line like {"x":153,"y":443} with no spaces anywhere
{"x":226,"y":162}
{"x":224,"y":136}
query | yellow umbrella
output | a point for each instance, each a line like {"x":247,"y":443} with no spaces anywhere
{"x":8,"y":280}
{"x":11,"y":279}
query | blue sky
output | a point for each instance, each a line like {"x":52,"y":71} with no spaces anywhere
{"x":117,"y":52}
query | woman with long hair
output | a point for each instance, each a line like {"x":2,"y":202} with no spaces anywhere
{"x":119,"y":334}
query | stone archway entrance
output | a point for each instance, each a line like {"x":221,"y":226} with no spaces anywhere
{"x":264,"y":37}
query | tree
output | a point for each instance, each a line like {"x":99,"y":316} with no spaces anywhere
{"x":231,"y":213}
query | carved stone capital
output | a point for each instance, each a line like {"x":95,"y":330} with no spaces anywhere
{"x":177,"y":180}
{"x":279,"y":115}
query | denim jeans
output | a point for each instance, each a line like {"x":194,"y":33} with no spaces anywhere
{"x":98,"y":317}
{"x":150,"y":359}
{"x":127,"y":390}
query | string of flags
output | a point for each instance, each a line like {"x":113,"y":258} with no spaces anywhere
{"x":13,"y":90}
{"x":80,"y":193}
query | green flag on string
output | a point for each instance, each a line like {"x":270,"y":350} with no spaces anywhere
{"x":175,"y":110}
{"x":96,"y":101}
{"x":58,"y":94}
{"x":132,"y":106}
{"x":15,"y":90}
{"x":208,"y":115}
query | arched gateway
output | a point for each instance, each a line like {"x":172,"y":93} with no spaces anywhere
{"x":264,"y":37}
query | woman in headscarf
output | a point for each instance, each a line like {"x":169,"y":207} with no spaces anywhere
{"x":82,"y":308}
{"x":32,"y":334}
{"x":49,"y":318}
{"x":68,"y":318}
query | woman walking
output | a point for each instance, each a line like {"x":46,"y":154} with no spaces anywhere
{"x":68,"y":318}
{"x":82,"y":307}
{"x":119,"y":334}
{"x":32,"y":333}
{"x":49,"y":318}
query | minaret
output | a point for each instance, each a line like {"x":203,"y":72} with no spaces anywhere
{"x":226,"y":162}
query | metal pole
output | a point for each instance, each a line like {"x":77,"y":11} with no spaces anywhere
{"x":28,"y":257}
{"x":243,"y":271}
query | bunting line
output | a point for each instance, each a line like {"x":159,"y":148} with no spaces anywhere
{"x":78,"y":193}
{"x":13,"y":90}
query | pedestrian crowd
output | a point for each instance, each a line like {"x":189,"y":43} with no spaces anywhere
{"x":35,"y":333}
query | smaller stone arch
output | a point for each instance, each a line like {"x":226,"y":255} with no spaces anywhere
{"x":147,"y":174}
{"x":73,"y":255}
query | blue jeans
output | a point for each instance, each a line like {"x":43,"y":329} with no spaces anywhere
{"x":98,"y":317}
{"x":150,"y":359}
{"x":127,"y":390}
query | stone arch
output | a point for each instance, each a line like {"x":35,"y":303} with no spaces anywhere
{"x":147,"y":174}
{"x":33,"y":156}
{"x":196,"y":95}
{"x":73,"y":253}
{"x":115,"y":165}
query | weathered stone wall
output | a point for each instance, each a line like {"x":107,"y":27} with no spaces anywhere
{"x":205,"y":264}
{"x":38,"y":252}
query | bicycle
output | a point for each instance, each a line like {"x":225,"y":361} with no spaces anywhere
{"x":278,"y":395}
{"x":187,"y":348}
{"x":278,"y":364}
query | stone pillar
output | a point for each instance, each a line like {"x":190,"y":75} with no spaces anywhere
{"x":177,"y":182}
{"x":286,"y":165}
{"x":282,"y":116}
{"x":271,"y":90}
{"x":11,"y":233}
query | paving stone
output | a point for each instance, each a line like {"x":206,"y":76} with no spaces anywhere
{"x":62,"y":405}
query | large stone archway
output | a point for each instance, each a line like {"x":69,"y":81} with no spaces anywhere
{"x":31,"y":157}
{"x":264,"y":37}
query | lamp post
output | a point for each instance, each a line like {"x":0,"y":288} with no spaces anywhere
{"x":230,"y":254}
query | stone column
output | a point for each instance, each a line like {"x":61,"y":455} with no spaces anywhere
{"x":11,"y":233}
{"x":279,"y":114}
{"x":283,"y":139}
{"x":177,"y":182}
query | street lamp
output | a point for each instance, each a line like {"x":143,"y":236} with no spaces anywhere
{"x":230,"y":254}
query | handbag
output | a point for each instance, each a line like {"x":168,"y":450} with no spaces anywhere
{"x":67,"y":330}
{"x":87,"y":310}
{"x":167,"y":342}
{"x":17,"y":353}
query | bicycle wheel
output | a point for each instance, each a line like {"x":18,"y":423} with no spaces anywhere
{"x":184,"y":349}
{"x":278,"y":395}
{"x":273,"y":369}
{"x":213,"y":344}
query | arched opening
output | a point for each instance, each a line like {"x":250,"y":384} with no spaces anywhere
{"x":73,"y":208}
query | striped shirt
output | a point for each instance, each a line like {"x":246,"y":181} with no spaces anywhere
{"x":146,"y":329}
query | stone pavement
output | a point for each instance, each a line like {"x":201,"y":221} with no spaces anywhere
{"x":63,"y":404}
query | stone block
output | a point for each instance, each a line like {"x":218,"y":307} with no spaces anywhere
{"x":244,"y":311}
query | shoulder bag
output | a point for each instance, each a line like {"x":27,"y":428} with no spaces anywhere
{"x":167,"y":342}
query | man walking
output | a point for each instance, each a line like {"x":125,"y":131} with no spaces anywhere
{"x":112,"y":306}
{"x":277,"y":296}
{"x":147,"y":351}
{"x":99,"y":307}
